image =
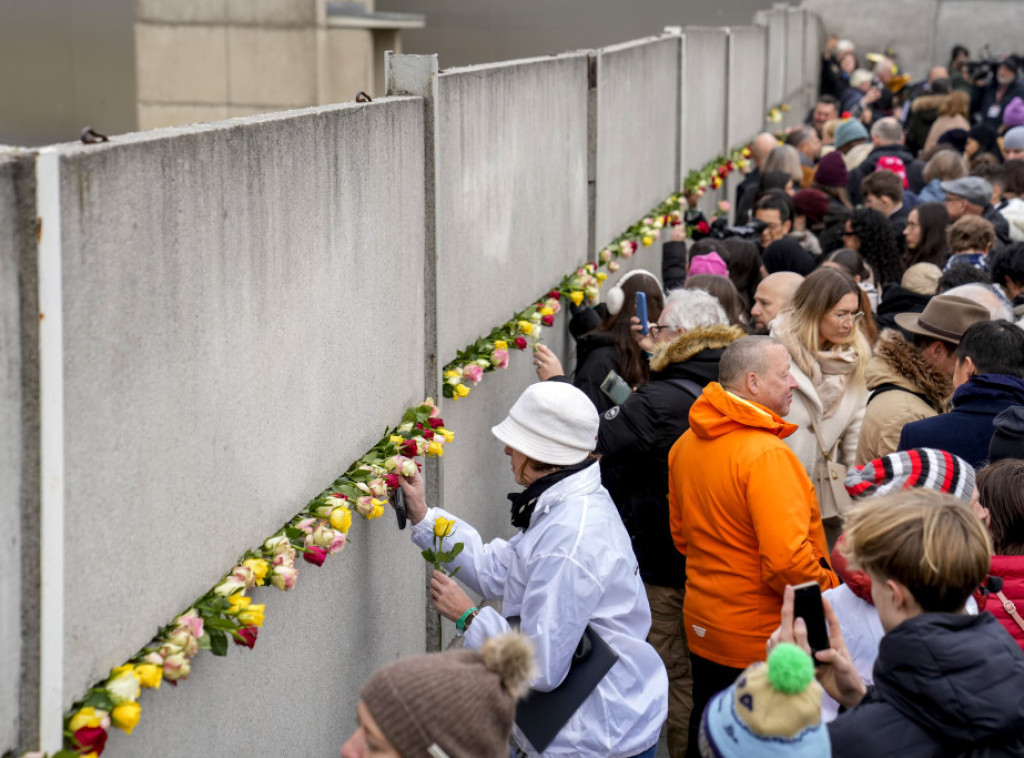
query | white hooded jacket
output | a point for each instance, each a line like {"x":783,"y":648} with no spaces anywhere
{"x":574,"y":566}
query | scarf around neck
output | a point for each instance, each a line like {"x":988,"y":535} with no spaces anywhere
{"x":828,"y":370}
{"x":524,"y":502}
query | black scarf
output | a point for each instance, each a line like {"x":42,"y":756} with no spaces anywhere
{"x":524,"y":502}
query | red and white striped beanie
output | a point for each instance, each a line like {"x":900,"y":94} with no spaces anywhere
{"x":920,"y":467}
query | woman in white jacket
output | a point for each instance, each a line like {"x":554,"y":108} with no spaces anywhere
{"x":571,"y":566}
{"x":821,"y":331}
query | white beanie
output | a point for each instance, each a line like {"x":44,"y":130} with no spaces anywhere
{"x":551,"y":422}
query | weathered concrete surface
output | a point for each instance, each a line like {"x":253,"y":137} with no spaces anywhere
{"x":511,"y":189}
{"x":747,"y":76}
{"x":638,"y":91}
{"x":795,"y":58}
{"x":705,"y":79}
{"x":774,"y":22}
{"x":909,"y":26}
{"x":239,"y":301}
{"x":974,"y":24}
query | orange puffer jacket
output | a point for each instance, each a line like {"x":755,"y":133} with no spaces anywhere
{"x":744,"y":513}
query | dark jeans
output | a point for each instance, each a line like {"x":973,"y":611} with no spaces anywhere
{"x":708,"y":680}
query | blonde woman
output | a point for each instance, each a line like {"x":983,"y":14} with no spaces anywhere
{"x":829,"y":352}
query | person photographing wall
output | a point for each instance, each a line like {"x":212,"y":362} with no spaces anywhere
{"x":568,"y":573}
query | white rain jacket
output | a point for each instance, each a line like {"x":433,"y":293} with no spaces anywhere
{"x":573,"y":566}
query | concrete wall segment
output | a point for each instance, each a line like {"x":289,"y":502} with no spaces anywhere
{"x":221,"y":284}
{"x":795,"y":58}
{"x":638,"y":90}
{"x":746,"y":88}
{"x":705,"y":80}
{"x":511,"y":152}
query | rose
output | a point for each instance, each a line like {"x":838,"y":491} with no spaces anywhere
{"x":703,"y":227}
{"x":404,"y":428}
{"x":246,"y":636}
{"x":176,"y":667}
{"x":474,"y":373}
{"x":285,"y":556}
{"x":647,"y":240}
{"x":443,"y":526}
{"x":436,"y":421}
{"x":306,"y":525}
{"x":553,"y":304}
{"x":181,"y":640}
{"x":461,"y":391}
{"x":122,"y":686}
{"x":724,"y":206}
{"x":391,"y":480}
{"x":591,"y":292}
{"x":500,"y":345}
{"x":408,"y":448}
{"x":601,"y":276}
{"x":322,"y":536}
{"x":273,"y":543}
{"x":245,"y":575}
{"x":284,"y":577}
{"x":149,"y":675}
{"x":88,"y":717}
{"x":126,"y":716}
{"x":378,"y":510}
{"x":448,"y":435}
{"x":520,"y":341}
{"x":337,"y":544}
{"x":404,"y":466}
{"x":341,"y":519}
{"x":613,"y":267}
{"x":525,"y":327}
{"x":229,"y":586}
{"x":364,"y":505}
{"x":500,"y":358}
{"x":577,"y":296}
{"x":315,"y":555}
{"x":90,"y":739}
{"x":251,"y":616}
{"x":192,"y":621}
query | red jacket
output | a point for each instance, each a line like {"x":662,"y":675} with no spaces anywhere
{"x":1009,"y":568}
{"x":743,"y":511}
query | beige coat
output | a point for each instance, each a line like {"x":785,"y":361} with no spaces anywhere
{"x":897,"y":362}
{"x":940,"y":126}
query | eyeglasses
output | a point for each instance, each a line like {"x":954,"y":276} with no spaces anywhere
{"x":657,"y":329}
{"x":853,"y":318}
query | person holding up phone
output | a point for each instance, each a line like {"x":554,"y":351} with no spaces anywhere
{"x":946,"y":683}
{"x":569,"y":570}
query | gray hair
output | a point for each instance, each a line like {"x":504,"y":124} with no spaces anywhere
{"x":784,"y":158}
{"x":945,"y":165}
{"x":984,"y":295}
{"x":888,"y":131}
{"x":744,"y":356}
{"x":690,"y":309}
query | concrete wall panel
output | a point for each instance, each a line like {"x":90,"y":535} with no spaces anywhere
{"x":795,"y":59}
{"x":638,"y":90}
{"x":974,"y":23}
{"x":774,"y":22}
{"x":705,"y":78}
{"x":747,"y":51}
{"x":12,"y":445}
{"x":511,"y":189}
{"x":234,"y":296}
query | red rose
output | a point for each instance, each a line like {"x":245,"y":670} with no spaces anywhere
{"x":703,"y":227}
{"x":391,"y":480}
{"x":435,"y":422}
{"x":315,"y":555}
{"x":555,"y":294}
{"x":408,"y":449}
{"x":547,"y":320}
{"x":428,"y":435}
{"x":723,"y":171}
{"x":520,"y":342}
{"x":246,"y":636}
{"x":91,"y":739}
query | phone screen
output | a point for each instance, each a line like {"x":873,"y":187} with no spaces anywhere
{"x":615,"y":387}
{"x":807,"y":605}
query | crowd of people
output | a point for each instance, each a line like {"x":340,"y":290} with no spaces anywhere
{"x":827,"y":396}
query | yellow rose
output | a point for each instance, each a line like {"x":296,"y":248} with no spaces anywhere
{"x":500,"y":345}
{"x":377,"y":508}
{"x":149,"y":675}
{"x":341,"y":519}
{"x":648,"y":241}
{"x":238,"y":602}
{"x":447,"y":434}
{"x":126,"y":716}
{"x":452,"y":374}
{"x":576,"y":296}
{"x":462,"y":390}
{"x":87,"y":716}
{"x":525,"y":327}
{"x":443,"y":526}
{"x":259,"y":569}
{"x":601,"y":276}
{"x":252,"y":616}
{"x":435,"y":449}
{"x":395,"y":439}
{"x":546,"y":311}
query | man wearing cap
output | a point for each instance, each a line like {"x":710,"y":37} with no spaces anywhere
{"x":972,"y":196}
{"x":887,"y":136}
{"x":910,"y":381}
{"x":1013,"y":144}
{"x":853,"y":142}
{"x":989,"y":378}
{"x":743,"y":511}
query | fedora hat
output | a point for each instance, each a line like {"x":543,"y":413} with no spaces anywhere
{"x":946,"y":318}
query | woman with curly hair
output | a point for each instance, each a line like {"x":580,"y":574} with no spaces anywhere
{"x":829,"y":353}
{"x":869,"y":233}
{"x":925,"y":234}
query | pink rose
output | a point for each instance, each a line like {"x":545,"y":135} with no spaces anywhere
{"x":306,"y":525}
{"x":500,"y":358}
{"x":284,"y":577}
{"x":176,"y":667}
{"x":245,"y":575}
{"x":246,"y":636}
{"x":315,"y":555}
{"x":613,"y":266}
{"x":365,"y":505}
{"x":337,"y":544}
{"x":193,"y":621}
{"x":474,"y":373}
{"x":547,"y":320}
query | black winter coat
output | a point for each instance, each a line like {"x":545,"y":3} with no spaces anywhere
{"x":897,"y":299}
{"x":967,"y":429}
{"x":945,"y":685}
{"x":596,"y":355}
{"x":673,"y":265}
{"x":914,"y":167}
{"x":635,"y":438}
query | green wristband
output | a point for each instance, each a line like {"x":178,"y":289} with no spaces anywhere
{"x":461,"y":623}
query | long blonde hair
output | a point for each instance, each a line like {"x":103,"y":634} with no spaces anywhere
{"x":814,"y":298}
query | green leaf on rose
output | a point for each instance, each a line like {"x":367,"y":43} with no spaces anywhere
{"x":218,"y":642}
{"x":292,"y":533}
{"x":429,"y":556}
{"x":99,"y":699}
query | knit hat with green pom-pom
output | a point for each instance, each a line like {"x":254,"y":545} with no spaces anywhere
{"x":773,"y":709}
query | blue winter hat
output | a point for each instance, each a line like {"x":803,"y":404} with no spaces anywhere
{"x":772,"y":710}
{"x":849,"y":131}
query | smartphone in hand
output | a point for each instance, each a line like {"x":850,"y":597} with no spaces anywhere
{"x":807,"y":605}
{"x":615,"y":387}
{"x":641,"y":312}
{"x":397,"y":498}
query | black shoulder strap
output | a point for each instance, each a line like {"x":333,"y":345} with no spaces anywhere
{"x":888,"y":387}
{"x":689,"y":385}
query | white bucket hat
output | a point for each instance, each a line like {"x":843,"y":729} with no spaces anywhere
{"x":551,"y":422}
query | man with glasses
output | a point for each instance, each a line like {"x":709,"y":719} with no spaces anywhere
{"x":775,"y":211}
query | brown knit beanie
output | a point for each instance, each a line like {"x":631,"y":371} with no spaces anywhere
{"x":459,"y":704}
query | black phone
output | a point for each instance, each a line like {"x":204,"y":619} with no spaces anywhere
{"x":615,"y":387}
{"x":641,"y":311}
{"x":807,"y":605}
{"x":398,"y":503}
